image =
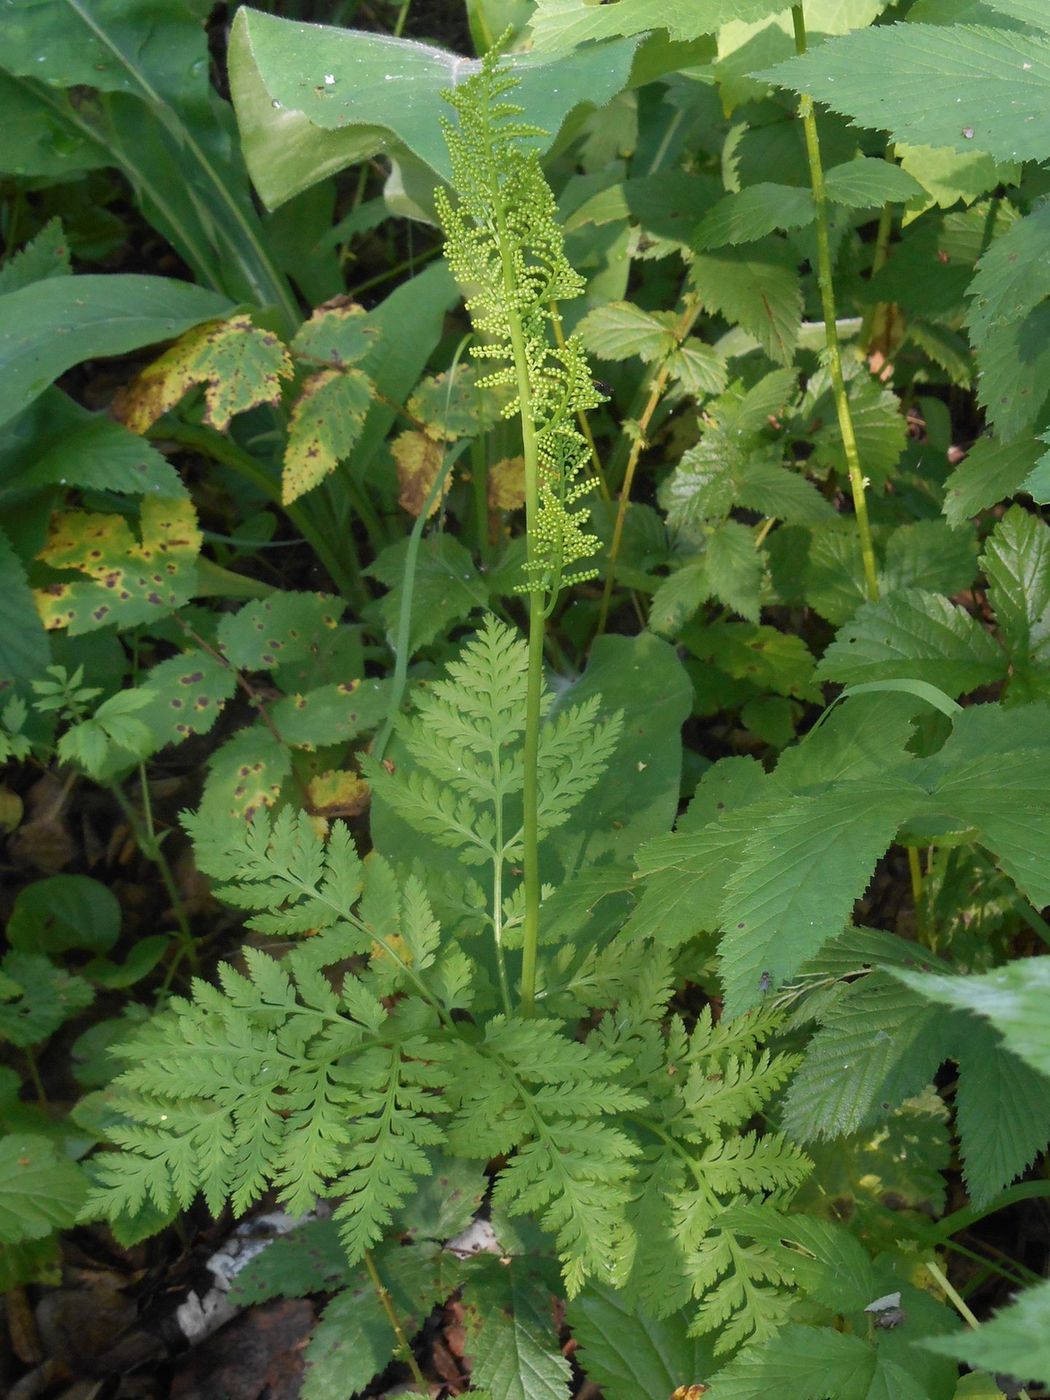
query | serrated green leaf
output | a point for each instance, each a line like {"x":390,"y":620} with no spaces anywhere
{"x":959,"y":86}
{"x":1015,"y":1342}
{"x":757,"y":288}
{"x":752,"y":213}
{"x":990,"y":471}
{"x":563,"y":24}
{"x":511,"y":1337}
{"x":308,"y":1259}
{"x":807,"y":1363}
{"x":40,"y":1190}
{"x":620,"y":329}
{"x":798,"y":882}
{"x":1012,"y":998}
{"x":913,"y":635}
{"x":735,"y":569}
{"x":24,"y":647}
{"x":97,"y":453}
{"x":1016,"y":562}
{"x":45,"y":255}
{"x":245,"y":774}
{"x":39,"y":998}
{"x":1002,"y":1111}
{"x":867,"y":182}
{"x":632,"y":1355}
{"x":447,"y":586}
{"x":928,"y":554}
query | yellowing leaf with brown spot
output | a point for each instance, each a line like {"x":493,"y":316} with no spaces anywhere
{"x":326,"y":421}
{"x":240,"y":365}
{"x":339,"y":332}
{"x":127,"y":582}
{"x":507,"y":484}
{"x":419,"y":460}
{"x":338,"y":793}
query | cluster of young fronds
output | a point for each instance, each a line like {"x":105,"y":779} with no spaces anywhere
{"x":503,"y":242}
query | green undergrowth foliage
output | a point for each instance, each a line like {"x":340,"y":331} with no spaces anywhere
{"x":616,"y":708}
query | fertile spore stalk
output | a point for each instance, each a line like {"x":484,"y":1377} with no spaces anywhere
{"x":504,"y":245}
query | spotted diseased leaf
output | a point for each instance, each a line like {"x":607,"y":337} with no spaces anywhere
{"x":289,"y":627}
{"x":240,"y":366}
{"x":339,"y":332}
{"x":326,"y":421}
{"x":457,"y":409}
{"x":187,"y":695}
{"x":245,"y":775}
{"x":330,"y":714}
{"x":129,"y":581}
{"x":419,"y":459}
{"x":337,"y":793}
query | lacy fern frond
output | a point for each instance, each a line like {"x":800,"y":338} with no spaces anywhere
{"x":276,"y":1080}
{"x":531,"y":1088}
{"x":503,"y":244}
{"x":465,"y":741}
{"x":702,"y":1089}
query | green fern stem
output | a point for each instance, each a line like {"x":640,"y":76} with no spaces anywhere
{"x":537,"y":610}
{"x":825,"y":279}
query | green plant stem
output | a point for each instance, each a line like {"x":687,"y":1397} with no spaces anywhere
{"x":34,"y":1075}
{"x":152,"y":849}
{"x":825,"y":278}
{"x":878,"y":261}
{"x":534,"y":687}
{"x":959,"y":1303}
{"x":387,"y":1304}
{"x":656,"y":390}
{"x":915,"y":871}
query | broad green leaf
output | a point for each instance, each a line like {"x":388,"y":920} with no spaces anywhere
{"x":797,"y":884}
{"x":947,"y":176}
{"x":24,"y":648}
{"x":867,"y":182}
{"x":824,"y":1260}
{"x":240,"y":366}
{"x":62,"y":912}
{"x":40,"y":1190}
{"x":311,"y":99}
{"x":913,"y":635}
{"x":1015,"y":1342}
{"x":959,"y":86}
{"x":780,"y":493}
{"x":990,"y":471}
{"x":1002,"y":1111}
{"x":326,"y":420}
{"x":1013,"y":998}
{"x":279,"y":631}
{"x":187,"y":695}
{"x":631,"y":1355}
{"x":332,"y":713}
{"x":510,"y":1333}
{"x":1031,"y":12}
{"x":52,"y":325}
{"x":38,"y":140}
{"x":770,"y":659}
{"x":130,"y":582}
{"x":564,"y":24}
{"x":1016,"y":562}
{"x":878,"y":424}
{"x":753,"y":213}
{"x":757,"y":288}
